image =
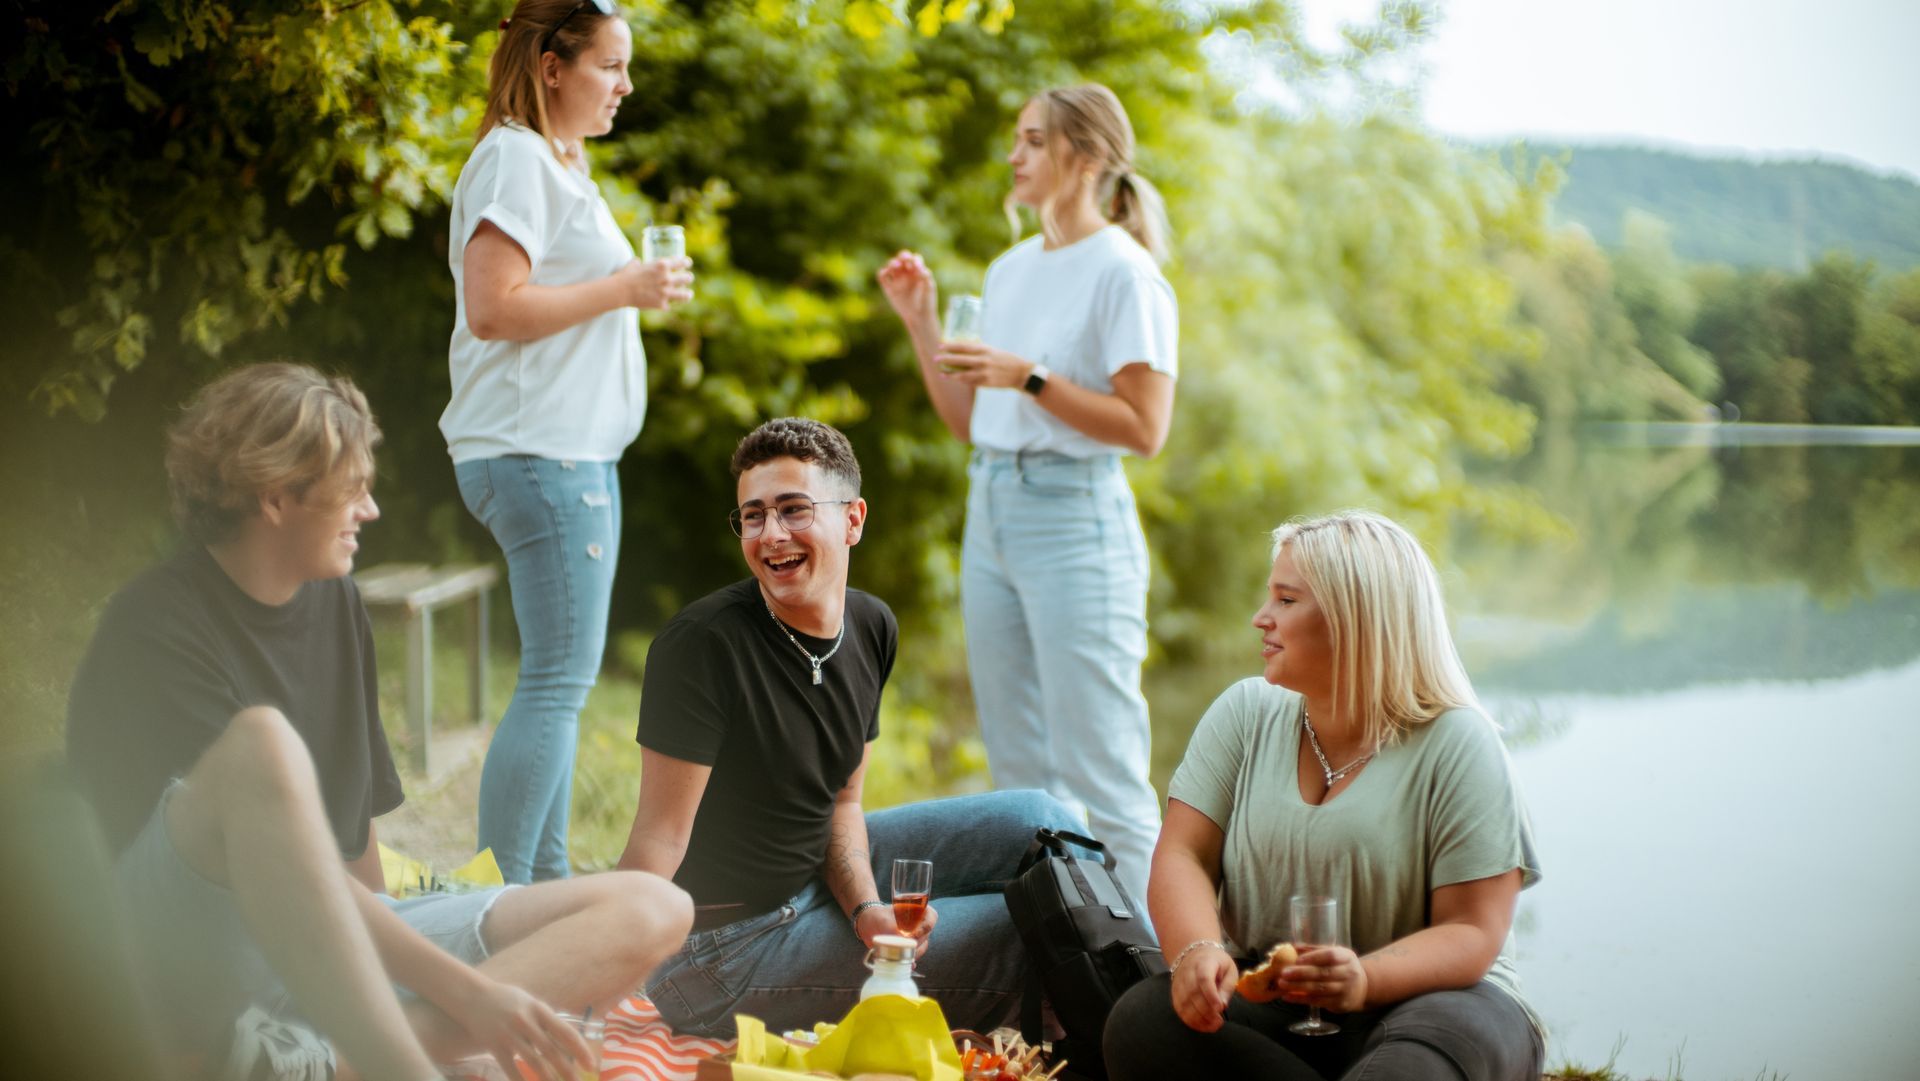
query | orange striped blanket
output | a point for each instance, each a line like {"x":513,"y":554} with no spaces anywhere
{"x":640,"y":1046}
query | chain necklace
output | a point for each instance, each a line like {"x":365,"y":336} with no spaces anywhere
{"x":1313,"y":741}
{"x":811,"y":659}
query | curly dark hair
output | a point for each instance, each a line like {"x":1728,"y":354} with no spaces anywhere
{"x":802,"y":439}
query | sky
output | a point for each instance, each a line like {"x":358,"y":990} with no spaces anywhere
{"x":1771,"y":78}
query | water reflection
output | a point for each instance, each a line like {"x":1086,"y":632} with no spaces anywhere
{"x":1710,"y":679}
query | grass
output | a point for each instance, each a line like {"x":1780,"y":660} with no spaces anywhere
{"x":1608,"y":1072}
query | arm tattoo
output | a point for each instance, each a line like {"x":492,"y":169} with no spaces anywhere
{"x":842,"y":857}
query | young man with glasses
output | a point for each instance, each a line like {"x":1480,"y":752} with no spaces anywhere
{"x":760,"y":706}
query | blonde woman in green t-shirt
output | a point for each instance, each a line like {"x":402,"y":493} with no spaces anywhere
{"x":1359,"y":766}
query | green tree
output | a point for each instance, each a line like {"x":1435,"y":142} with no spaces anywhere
{"x":1654,"y":292}
{"x":1589,"y":363}
{"x":1343,"y":309}
{"x":1827,"y":306}
{"x":1744,"y":325}
{"x":1889,"y":349}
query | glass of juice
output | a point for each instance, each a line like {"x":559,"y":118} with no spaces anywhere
{"x":912,"y":884}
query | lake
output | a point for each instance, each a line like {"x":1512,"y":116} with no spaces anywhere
{"x":1710,"y":675}
{"x":1713,"y":693}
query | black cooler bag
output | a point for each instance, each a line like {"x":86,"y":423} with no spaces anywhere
{"x":1086,"y":940}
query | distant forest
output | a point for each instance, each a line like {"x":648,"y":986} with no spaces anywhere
{"x":1776,"y":214}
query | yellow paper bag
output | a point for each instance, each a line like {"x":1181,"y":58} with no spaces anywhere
{"x":407,"y":877}
{"x":482,"y":872}
{"x":884,"y":1034}
{"x":890,"y":1034}
{"x":404,"y":875}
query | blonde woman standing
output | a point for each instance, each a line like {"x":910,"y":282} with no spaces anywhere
{"x":1075,"y":369}
{"x":549,"y":388}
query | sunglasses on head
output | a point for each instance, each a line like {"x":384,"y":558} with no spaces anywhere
{"x":604,"y":7}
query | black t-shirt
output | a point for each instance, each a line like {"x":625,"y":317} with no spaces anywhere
{"x":182,"y":648}
{"x":725,"y":688}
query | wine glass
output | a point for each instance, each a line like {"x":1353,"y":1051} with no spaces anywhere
{"x":663,"y":242}
{"x":912,"y":884}
{"x":1315,"y":922}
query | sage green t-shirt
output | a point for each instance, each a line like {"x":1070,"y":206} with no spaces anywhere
{"x":1439,"y":807}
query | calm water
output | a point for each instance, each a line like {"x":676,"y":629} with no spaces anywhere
{"x":1713,"y":686}
{"x":1711,"y":682}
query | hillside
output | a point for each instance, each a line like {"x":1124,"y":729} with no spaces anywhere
{"x":1749,"y":213}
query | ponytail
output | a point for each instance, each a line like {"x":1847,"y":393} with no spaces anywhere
{"x":1092,"y":122}
{"x":1136,"y":206}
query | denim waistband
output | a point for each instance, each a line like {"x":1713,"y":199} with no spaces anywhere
{"x":1025,"y":459}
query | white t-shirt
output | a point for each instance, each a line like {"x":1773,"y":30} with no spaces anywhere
{"x":1085,"y":311}
{"x":577,"y":394}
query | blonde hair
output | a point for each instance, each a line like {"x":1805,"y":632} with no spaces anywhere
{"x":263,"y":427}
{"x":515,"y":91}
{"x":1093,"y":124}
{"x":1394,"y":661}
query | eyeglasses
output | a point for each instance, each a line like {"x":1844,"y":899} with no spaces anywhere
{"x":796,"y":516}
{"x":604,"y":7}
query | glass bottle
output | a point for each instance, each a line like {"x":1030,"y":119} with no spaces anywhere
{"x":891,"y":960}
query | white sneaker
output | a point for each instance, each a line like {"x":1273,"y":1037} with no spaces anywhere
{"x":266,"y":1048}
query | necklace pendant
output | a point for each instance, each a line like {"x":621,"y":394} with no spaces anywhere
{"x":816,"y":675}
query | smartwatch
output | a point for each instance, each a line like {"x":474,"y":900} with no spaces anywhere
{"x":1037,"y":379}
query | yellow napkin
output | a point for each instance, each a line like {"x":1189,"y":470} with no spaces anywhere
{"x":884,"y":1034}
{"x":406,"y":876}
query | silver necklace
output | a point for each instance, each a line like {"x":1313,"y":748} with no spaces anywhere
{"x":815,"y":661}
{"x":1314,"y":742}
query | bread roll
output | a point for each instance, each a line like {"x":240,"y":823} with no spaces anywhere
{"x":1262,"y":984}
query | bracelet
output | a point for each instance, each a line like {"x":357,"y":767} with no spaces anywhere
{"x":854,"y":916}
{"x":1175,"y":967}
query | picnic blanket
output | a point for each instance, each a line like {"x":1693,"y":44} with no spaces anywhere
{"x":642,"y":1047}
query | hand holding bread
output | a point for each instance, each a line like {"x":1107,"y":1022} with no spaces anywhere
{"x":1262,"y":983}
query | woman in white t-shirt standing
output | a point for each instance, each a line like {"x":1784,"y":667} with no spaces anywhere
{"x":549,"y":387}
{"x":1075,"y":368}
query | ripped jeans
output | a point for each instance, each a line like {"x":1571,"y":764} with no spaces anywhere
{"x":559,"y":524}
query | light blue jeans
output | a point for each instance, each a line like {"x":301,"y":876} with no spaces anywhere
{"x":559,"y":525}
{"x":802,"y":963}
{"x":195,"y":960}
{"x":1053,"y":585}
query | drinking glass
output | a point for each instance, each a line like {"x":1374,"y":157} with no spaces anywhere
{"x":966,"y":315}
{"x":1315,"y":921}
{"x":663,"y":242}
{"x":912,"y":884}
{"x":591,"y":1029}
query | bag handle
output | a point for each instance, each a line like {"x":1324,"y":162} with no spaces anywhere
{"x":1055,"y":842}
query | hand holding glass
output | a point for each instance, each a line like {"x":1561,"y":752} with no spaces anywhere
{"x":1315,"y":922}
{"x":966,"y":318}
{"x":912,"y":885}
{"x":591,"y":1029}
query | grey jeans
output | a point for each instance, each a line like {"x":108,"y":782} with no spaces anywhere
{"x":1477,"y":1034}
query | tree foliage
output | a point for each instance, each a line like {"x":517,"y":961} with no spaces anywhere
{"x":209,"y":182}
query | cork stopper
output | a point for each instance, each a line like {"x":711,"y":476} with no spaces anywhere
{"x":893,"y":948}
